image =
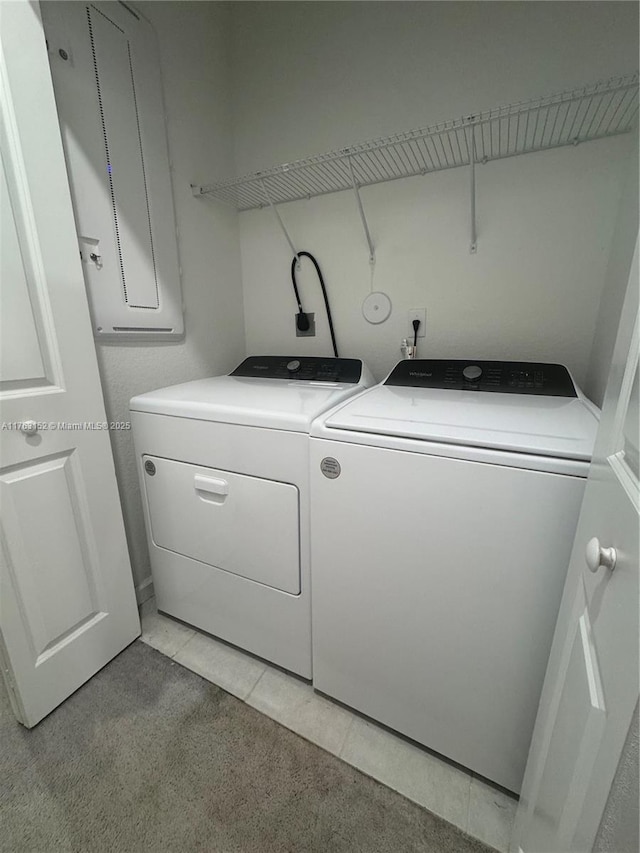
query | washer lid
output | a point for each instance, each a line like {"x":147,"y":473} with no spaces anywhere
{"x":271,"y":403}
{"x":563,"y":427}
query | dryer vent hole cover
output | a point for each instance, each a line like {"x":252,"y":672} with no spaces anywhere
{"x":376,"y":308}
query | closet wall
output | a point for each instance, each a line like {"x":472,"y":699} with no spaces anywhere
{"x":617,"y":275}
{"x":308,"y":78}
{"x":250,"y":85}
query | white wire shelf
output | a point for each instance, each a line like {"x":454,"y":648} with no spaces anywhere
{"x":603,"y":109}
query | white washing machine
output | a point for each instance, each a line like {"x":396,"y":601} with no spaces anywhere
{"x":444,"y":504}
{"x":224,"y":470}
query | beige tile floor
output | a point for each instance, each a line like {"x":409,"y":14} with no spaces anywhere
{"x":470,"y":803}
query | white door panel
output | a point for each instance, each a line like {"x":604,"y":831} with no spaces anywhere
{"x":67,"y":604}
{"x":22,"y":359}
{"x":580,"y":716}
{"x":28,"y":356}
{"x":54,"y":603}
{"x":592,"y":685}
{"x":113,"y":63}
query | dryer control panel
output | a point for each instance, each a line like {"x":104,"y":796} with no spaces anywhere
{"x":303,"y":368}
{"x":506,"y":377}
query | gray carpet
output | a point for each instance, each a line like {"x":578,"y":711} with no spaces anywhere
{"x":150,"y":757}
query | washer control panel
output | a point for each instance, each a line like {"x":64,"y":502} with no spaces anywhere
{"x":302,"y":368}
{"x":506,"y":377}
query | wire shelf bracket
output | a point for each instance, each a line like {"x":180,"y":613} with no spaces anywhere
{"x":596,"y":111}
{"x":367,"y":233}
{"x":281,"y":223}
{"x":471,"y":148}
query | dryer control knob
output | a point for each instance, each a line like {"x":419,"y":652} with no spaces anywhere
{"x":294,"y":366}
{"x":472,"y":372}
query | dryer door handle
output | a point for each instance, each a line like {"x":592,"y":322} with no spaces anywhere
{"x":211,"y":485}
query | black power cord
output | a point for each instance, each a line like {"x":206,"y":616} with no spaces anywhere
{"x":416,"y":326}
{"x":302,"y":321}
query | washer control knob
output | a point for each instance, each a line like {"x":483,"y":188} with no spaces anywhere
{"x":294,"y":366}
{"x":472,"y":372}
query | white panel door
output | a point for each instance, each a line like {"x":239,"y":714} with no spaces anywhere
{"x":591,"y":685}
{"x":67,"y":603}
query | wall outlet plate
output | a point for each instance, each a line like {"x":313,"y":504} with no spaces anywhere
{"x":311,"y":331}
{"x":417,"y":314}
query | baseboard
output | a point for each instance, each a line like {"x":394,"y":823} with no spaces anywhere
{"x":144,"y":590}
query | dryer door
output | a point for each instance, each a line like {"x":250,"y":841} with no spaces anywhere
{"x":244,"y":525}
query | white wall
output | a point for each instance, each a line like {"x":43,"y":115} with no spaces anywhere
{"x":193,"y":40}
{"x":617,"y":275}
{"x":531,"y":292}
{"x":309,"y":77}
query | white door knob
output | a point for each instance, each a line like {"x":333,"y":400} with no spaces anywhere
{"x":598,"y":557}
{"x":29,"y":428}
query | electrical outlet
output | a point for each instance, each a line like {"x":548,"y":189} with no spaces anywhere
{"x":417,"y":314}
{"x":311,"y":331}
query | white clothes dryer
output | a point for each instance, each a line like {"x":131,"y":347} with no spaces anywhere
{"x":224,"y":468}
{"x":444,"y":505}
